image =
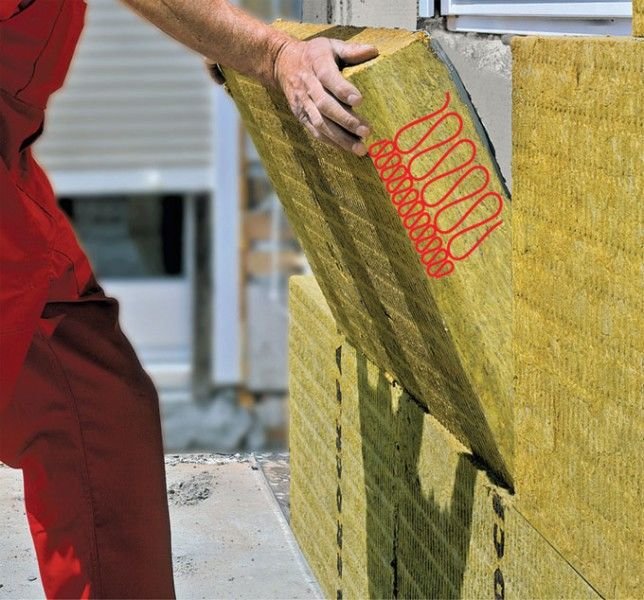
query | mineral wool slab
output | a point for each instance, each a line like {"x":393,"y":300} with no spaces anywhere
{"x":417,"y":517}
{"x":578,"y":165}
{"x":411,"y":246}
{"x":370,"y":462}
{"x":638,"y":18}
{"x":313,"y":412}
{"x":421,"y":514}
{"x":453,"y":517}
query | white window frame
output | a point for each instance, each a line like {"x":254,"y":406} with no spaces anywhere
{"x":545,"y":17}
{"x":582,"y":9}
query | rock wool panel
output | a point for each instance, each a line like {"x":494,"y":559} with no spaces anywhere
{"x":314,"y":412}
{"x":410,"y":245}
{"x":416,"y":516}
{"x":638,"y":17}
{"x":578,"y":169}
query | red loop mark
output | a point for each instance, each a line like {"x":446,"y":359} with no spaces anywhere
{"x":413,"y":164}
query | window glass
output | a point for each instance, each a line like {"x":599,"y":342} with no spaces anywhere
{"x":130,"y":236}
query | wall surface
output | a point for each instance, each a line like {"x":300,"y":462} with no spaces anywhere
{"x":484,"y":63}
{"x":376,"y":13}
{"x":578,"y":332}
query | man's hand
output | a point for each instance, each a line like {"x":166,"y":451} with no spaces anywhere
{"x":319,"y":96}
{"x":308,"y":72}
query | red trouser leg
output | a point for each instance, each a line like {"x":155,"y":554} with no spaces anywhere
{"x":83,"y":425}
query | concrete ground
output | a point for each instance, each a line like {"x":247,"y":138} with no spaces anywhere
{"x":231,"y":538}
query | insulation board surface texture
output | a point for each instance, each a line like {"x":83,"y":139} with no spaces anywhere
{"x":383,"y":273}
{"x":313,"y":413}
{"x":638,"y":17}
{"x":578,"y":170}
{"x":415,"y":515}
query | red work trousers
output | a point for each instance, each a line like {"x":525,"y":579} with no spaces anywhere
{"x":78,"y":414}
{"x":83,"y":425}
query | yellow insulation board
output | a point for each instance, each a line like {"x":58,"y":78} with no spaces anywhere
{"x":578,"y":170}
{"x":361,"y":252}
{"x":419,"y":518}
{"x":313,"y":413}
{"x":370,"y":462}
{"x":638,"y":17}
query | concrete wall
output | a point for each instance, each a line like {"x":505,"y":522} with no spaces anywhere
{"x":484,"y":63}
{"x":372,"y":13}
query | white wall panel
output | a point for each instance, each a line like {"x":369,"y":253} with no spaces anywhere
{"x":135,"y":102}
{"x":362,"y":13}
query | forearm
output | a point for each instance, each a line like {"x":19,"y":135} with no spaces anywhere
{"x":218,"y":31}
{"x":308,"y":73}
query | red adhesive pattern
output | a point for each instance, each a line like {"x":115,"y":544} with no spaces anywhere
{"x":413,"y":166}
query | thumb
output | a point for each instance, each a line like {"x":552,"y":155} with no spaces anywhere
{"x":353,"y":54}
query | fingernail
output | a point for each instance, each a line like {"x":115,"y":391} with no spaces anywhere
{"x":359,"y":149}
{"x":354,"y":99}
{"x":363,"y":131}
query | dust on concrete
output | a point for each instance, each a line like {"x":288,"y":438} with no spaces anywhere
{"x":191,"y":491}
{"x":207,"y":458}
{"x":184,"y":565}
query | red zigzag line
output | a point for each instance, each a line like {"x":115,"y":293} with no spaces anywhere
{"x":410,"y":192}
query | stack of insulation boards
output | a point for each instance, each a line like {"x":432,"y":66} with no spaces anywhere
{"x":385,"y":502}
{"x":472,"y":433}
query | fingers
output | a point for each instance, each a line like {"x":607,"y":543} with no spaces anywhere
{"x":340,"y":137}
{"x":331,"y":78}
{"x":313,"y":130}
{"x":353,"y":54}
{"x":336,"y":112}
{"x":325,"y":130}
{"x":311,"y":118}
{"x":321,"y":97}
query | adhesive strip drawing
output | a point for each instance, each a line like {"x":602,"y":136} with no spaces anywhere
{"x":413,"y":166}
